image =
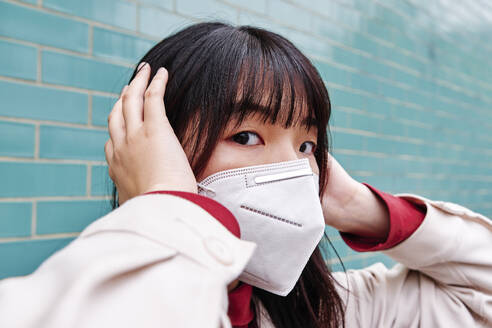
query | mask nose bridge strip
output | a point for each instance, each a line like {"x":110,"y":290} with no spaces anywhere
{"x":283,"y":175}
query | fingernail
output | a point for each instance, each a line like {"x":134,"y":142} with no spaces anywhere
{"x":161,"y":70}
{"x":141,"y":65}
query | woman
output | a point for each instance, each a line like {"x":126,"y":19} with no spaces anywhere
{"x":245,"y":115}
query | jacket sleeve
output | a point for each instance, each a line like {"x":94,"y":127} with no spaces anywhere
{"x":443,"y":278}
{"x":156,"y":261}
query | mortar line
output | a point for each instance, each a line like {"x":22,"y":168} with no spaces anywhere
{"x":156,"y":39}
{"x":80,"y":19}
{"x":89,"y":109}
{"x":39,"y":237}
{"x":50,"y":160}
{"x":39,"y":68}
{"x":51,"y":198}
{"x":376,"y":39}
{"x":36,"y":140}
{"x":34,"y":218}
{"x":90,"y":40}
{"x":57,"y":86}
{"x":54,"y":123}
{"x":348,"y":68}
{"x":89,"y":179}
{"x":137,"y":17}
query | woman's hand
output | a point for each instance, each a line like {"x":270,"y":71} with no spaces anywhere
{"x":143,"y":153}
{"x":350,"y":206}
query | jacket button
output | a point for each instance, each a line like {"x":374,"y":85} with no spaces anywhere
{"x":218,"y":250}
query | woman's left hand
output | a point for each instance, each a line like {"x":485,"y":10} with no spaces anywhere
{"x":143,"y":153}
{"x":349,"y":206}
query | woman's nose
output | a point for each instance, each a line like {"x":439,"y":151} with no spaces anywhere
{"x":287,"y":152}
{"x":283,"y":153}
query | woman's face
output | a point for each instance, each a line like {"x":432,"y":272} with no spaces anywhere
{"x":255,"y":143}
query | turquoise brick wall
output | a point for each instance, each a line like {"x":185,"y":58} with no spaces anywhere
{"x":410,"y":83}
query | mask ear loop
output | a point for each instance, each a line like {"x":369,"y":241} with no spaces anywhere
{"x":208,"y":191}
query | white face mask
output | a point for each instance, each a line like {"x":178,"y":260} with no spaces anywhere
{"x":277,"y":206}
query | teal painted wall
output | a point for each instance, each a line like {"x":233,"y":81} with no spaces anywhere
{"x":410,"y":83}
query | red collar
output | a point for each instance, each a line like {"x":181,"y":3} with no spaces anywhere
{"x":240,"y":310}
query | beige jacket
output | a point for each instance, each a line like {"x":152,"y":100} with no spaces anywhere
{"x":162,"y":261}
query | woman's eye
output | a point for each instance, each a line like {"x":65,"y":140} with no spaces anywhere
{"x":246,"y":138}
{"x":308,"y":147}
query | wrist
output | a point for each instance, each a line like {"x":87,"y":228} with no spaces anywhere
{"x":367,"y":215}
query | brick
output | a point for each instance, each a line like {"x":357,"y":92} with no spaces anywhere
{"x":115,"y":45}
{"x":364,"y":122}
{"x":40,"y":179}
{"x":376,"y":28}
{"x":15,"y":219}
{"x":112,"y":12}
{"x":332,"y":74}
{"x":16,"y":139}
{"x":159,"y":23}
{"x":347,"y":99}
{"x":247,"y":18}
{"x":259,"y":6}
{"x":23,"y":257}
{"x":84,"y":73}
{"x":305,"y":42}
{"x":101,"y":107}
{"x":292,"y":15}
{"x":366,"y":44}
{"x":18,"y":60}
{"x":322,"y":7}
{"x":209,"y":9}
{"x":101,"y":183}
{"x":390,"y":90}
{"x":43,"y":28}
{"x":165,"y":4}
{"x":376,"y":68}
{"x":340,"y":118}
{"x":42,"y":103}
{"x":379,"y":145}
{"x":68,"y":216}
{"x":348,"y":141}
{"x":366,"y":83}
{"x":327,"y":29}
{"x":72,"y":143}
{"x":346,"y":57}
{"x":406,"y":78}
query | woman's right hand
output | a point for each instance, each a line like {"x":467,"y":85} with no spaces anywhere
{"x":143,"y":152}
{"x":350,"y":206}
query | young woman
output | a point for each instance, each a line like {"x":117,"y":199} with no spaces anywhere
{"x":224,"y":193}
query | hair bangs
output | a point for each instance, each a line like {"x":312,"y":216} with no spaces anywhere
{"x":274,"y":87}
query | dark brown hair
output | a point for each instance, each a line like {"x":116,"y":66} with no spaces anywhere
{"x":219,"y":73}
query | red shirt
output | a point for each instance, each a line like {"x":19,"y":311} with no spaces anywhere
{"x":405,"y":218}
